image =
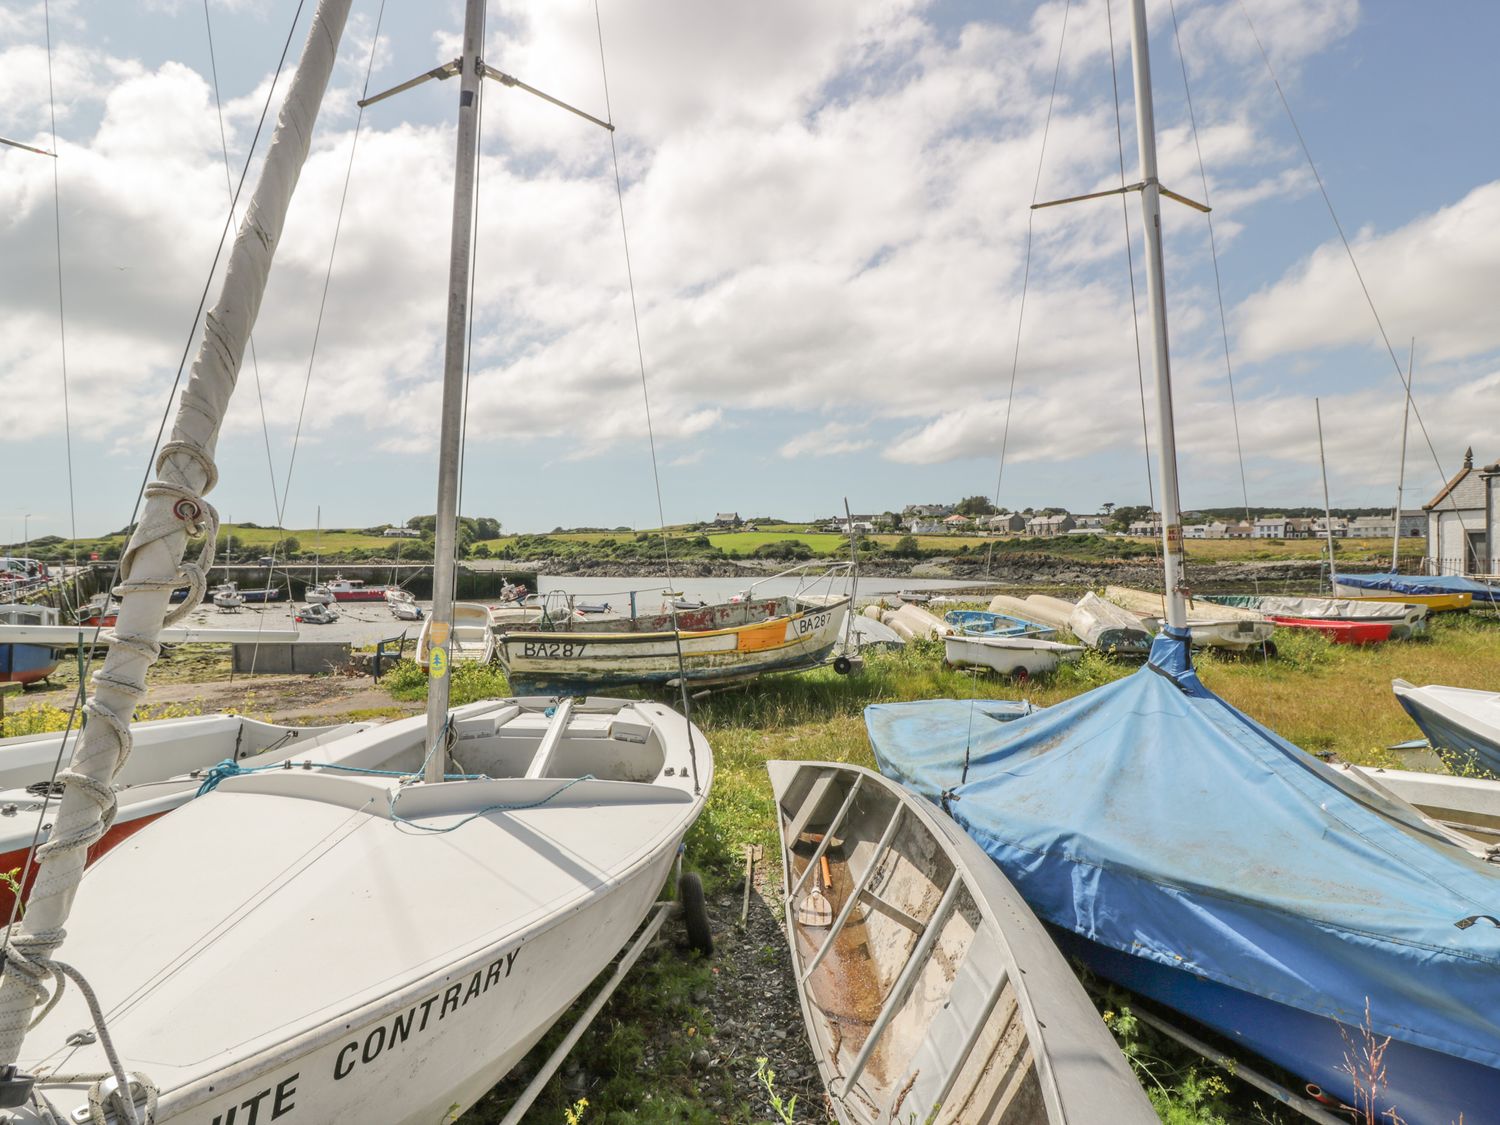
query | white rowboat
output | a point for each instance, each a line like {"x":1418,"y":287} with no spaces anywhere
{"x":1009,"y":655}
{"x":935,"y":995}
{"x":472,"y":642}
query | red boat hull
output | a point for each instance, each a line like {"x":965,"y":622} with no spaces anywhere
{"x":376,"y":594}
{"x":1341,"y":632}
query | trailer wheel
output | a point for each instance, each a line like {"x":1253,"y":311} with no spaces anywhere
{"x":695,"y":914}
{"x":843,"y":665}
{"x":1268,"y":650}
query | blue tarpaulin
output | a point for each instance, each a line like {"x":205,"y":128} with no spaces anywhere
{"x":1152,"y":818}
{"x":1422,"y":584}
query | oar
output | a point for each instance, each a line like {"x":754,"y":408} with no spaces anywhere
{"x":815,"y":909}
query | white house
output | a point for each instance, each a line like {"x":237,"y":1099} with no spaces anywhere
{"x":1269,"y":527}
{"x":401,"y":533}
{"x":1462,"y":523}
{"x":1195,"y":531}
{"x":928,"y":527}
{"x":1098,"y":521}
{"x":1151,"y":526}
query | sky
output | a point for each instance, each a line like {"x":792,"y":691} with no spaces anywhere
{"x":828,"y":218}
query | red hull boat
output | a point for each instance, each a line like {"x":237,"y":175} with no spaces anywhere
{"x":1341,"y":632}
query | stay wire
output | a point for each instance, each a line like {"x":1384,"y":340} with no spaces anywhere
{"x":640,"y":355}
{"x":151,"y":463}
{"x":1349,"y":251}
{"x":1015,"y":357}
{"x":328,"y":272}
{"x":62,"y":322}
{"x":1268,"y":697}
{"x":1135,"y":315}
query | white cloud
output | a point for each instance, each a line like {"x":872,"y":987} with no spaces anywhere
{"x":827,"y":441}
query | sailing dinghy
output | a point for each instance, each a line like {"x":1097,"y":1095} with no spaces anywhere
{"x":935,"y":994}
{"x":1010,"y":656}
{"x":1181,"y":849}
{"x":472,"y":641}
{"x":409,"y":941}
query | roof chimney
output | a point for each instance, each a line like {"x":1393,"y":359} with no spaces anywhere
{"x":1469,"y":457}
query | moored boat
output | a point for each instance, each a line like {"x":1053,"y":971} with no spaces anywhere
{"x":1405,"y":620}
{"x":1455,"y":602}
{"x":982,"y":623}
{"x":1107,"y":627}
{"x":1339,"y":632}
{"x":1462,"y":722}
{"x":584,"y":656}
{"x":472,"y":641}
{"x":26,"y":663}
{"x":1014,"y":656}
{"x":932,"y":990}
{"x":403,"y":605}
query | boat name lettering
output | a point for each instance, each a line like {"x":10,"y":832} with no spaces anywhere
{"x":551,"y":650}
{"x":416,"y":1019}
{"x":812,"y":623}
{"x":280,"y":1105}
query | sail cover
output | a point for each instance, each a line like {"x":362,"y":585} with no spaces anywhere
{"x":1151,"y":817}
{"x":1422,"y":584}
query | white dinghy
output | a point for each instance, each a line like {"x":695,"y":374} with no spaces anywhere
{"x":472,"y":641}
{"x":392,"y":948}
{"x":1107,"y":627}
{"x":933,"y":993}
{"x":1211,"y":626}
{"x":1014,"y":656}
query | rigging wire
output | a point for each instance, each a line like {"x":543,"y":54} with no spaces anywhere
{"x":83,"y":672}
{"x":1348,"y":250}
{"x":640,"y":354}
{"x":328,"y":274}
{"x":62,"y":323}
{"x":1015,"y":357}
{"x":1135,"y":315}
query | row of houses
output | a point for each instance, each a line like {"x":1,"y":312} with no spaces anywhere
{"x":1293,"y":527}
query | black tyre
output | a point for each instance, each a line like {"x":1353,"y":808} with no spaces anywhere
{"x":1268,"y":649}
{"x":695,"y":914}
{"x":843,"y":665}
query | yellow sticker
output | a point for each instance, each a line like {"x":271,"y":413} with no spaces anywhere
{"x":437,"y":663}
{"x":437,"y":633}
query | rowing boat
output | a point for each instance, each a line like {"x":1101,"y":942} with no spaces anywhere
{"x":1407,"y":620}
{"x":935,"y":994}
{"x":472,"y":641}
{"x":1016,"y":656}
{"x":981,"y":623}
{"x":1211,"y":627}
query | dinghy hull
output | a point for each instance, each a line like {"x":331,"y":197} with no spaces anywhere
{"x":1451,"y":727}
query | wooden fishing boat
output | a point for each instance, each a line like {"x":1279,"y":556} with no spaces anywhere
{"x":413,"y":940}
{"x":163,"y":773}
{"x":1405,"y":620}
{"x":981,"y":623}
{"x":1435,"y":603}
{"x":1463,"y":722}
{"x":1012,"y":656}
{"x":472,"y":640}
{"x":933,"y":993}
{"x":573,"y":656}
{"x":27,"y":663}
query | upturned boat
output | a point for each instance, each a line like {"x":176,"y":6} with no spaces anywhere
{"x":931,"y":992}
{"x":1462,"y":722}
{"x":1107,"y":627}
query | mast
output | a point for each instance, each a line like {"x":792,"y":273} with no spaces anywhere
{"x":1145,"y":127}
{"x":152,"y":565}
{"x":1333,"y":588}
{"x":450,"y":438}
{"x":1401,"y":477}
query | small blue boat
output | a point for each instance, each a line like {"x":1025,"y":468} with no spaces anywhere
{"x":27,"y":663}
{"x":1181,"y":849}
{"x":982,"y":623}
{"x":1422,"y":584}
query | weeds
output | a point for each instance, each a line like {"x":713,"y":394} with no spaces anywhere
{"x":785,"y":1110}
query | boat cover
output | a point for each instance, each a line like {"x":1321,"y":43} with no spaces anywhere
{"x":1422,"y":584}
{"x":1151,"y":817}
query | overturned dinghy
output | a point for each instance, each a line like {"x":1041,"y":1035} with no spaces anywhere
{"x":1463,"y":722}
{"x":1109,"y":628}
{"x":934,"y":994}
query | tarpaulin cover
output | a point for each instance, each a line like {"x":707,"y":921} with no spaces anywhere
{"x":1150,"y":816}
{"x":1422,"y":584}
